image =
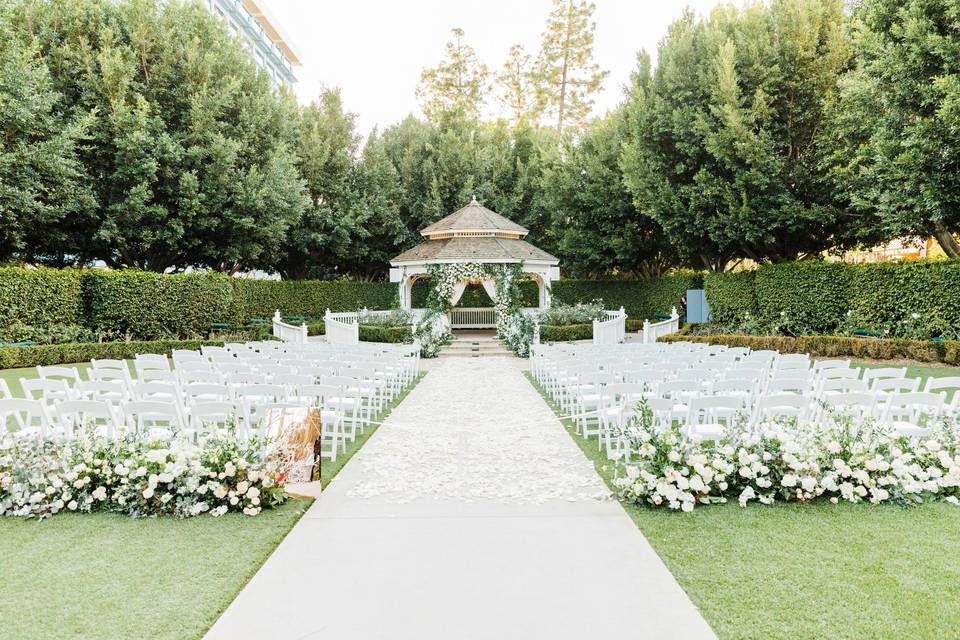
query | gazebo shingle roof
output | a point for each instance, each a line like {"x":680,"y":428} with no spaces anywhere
{"x":474,"y":216}
{"x":475,"y":248}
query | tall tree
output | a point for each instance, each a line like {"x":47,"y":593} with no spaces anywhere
{"x":727,"y":137}
{"x":598,"y":231}
{"x":327,"y":229}
{"x":459,"y":82}
{"x":567,"y":76}
{"x":44,"y":194}
{"x":897,"y":122}
{"x":189,"y":150}
{"x":517,"y":83}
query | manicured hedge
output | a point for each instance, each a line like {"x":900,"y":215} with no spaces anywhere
{"x":811,"y":297}
{"x":51,"y":354}
{"x":376,"y":333}
{"x":154,"y":306}
{"x":947,"y":351}
{"x":565,"y":332}
{"x":731,"y":295}
{"x":260,"y":298}
{"x":40,"y":297}
{"x":807,"y":297}
{"x":642,"y":299}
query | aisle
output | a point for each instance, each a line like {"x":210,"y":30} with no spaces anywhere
{"x":470,"y":514}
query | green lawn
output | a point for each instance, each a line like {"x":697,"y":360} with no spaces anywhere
{"x":817,"y":571}
{"x":108,"y":576}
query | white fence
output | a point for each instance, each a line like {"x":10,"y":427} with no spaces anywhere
{"x":288,"y":332}
{"x":341,"y":328}
{"x":473,"y":318}
{"x":613,"y":330}
{"x":652,"y":331}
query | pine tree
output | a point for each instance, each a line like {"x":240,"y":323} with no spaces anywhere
{"x":517,"y":83}
{"x":567,"y":76}
{"x":459,"y":82}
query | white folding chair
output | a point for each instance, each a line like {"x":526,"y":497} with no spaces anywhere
{"x":30,"y":417}
{"x":709,"y":417}
{"x":913,"y":414}
{"x":102,"y":416}
{"x":153,"y":418}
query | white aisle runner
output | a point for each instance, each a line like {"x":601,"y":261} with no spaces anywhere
{"x":470,"y":514}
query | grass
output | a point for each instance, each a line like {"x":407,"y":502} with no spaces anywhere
{"x":809,"y":571}
{"x":108,"y":576}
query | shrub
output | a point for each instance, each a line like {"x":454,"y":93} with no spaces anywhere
{"x":580,"y":313}
{"x":316,"y":328}
{"x":803,"y":297}
{"x":40,"y":297}
{"x":378,"y":333}
{"x":731,"y":295}
{"x":260,"y":298}
{"x":53,"y":334}
{"x":835,"y":346}
{"x":51,"y":354}
{"x":642,"y":299}
{"x":565,"y":333}
{"x":154,"y":306}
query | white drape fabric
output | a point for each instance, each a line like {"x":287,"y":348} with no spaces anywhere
{"x":491,"y":288}
{"x":457,"y":293}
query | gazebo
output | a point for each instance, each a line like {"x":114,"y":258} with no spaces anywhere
{"x":474,"y":235}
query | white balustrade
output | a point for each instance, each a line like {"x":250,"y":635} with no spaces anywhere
{"x":288,"y":332}
{"x":654,"y":330}
{"x":613,"y":330}
{"x":341,"y":328}
{"x":473,"y":318}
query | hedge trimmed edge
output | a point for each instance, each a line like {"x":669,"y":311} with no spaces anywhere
{"x":947,"y":351}
{"x":52,"y":354}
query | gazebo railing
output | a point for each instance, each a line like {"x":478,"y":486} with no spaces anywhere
{"x":473,"y":318}
{"x":341,"y":330}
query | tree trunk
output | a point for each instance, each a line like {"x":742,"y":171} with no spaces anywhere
{"x":947,"y":241}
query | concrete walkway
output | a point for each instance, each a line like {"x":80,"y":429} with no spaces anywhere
{"x":470,"y":514}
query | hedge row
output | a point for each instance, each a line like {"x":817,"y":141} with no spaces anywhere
{"x":824,"y":297}
{"x":52,"y":354}
{"x":565,"y":332}
{"x":642,"y":299}
{"x":947,"y":351}
{"x":376,"y":333}
{"x":260,"y":298}
{"x":40,"y":297}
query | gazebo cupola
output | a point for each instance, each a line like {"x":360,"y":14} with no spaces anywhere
{"x":474,"y":234}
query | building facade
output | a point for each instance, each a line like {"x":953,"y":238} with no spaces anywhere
{"x":270,"y":49}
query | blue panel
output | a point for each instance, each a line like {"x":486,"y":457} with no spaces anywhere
{"x":698,"y":309}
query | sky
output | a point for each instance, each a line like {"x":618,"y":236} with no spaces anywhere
{"x":374,"y":50}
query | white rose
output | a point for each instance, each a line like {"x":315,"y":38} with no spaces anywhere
{"x":147,"y":493}
{"x":687,"y":506}
{"x":72,"y":505}
{"x":673,"y":456}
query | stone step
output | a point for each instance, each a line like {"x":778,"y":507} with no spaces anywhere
{"x":475,"y":348}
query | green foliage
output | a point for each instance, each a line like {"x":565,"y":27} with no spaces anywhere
{"x":726,"y":134}
{"x":53,"y":334}
{"x":43,"y":193}
{"x":154,"y":306}
{"x":642,"y":299}
{"x":187,"y":147}
{"x":837,"y":346}
{"x":475,"y":295}
{"x":260,"y":298}
{"x":40,"y":297}
{"x":51,"y":354}
{"x":567,"y":77}
{"x":595,"y":225}
{"x":391,"y":334}
{"x":580,"y":313}
{"x":919,"y":300}
{"x":458,"y":83}
{"x":566,"y":332}
{"x":897,"y":119}
{"x":731,"y":295}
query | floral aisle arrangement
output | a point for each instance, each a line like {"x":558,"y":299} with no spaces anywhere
{"x":850,"y":460}
{"x":40,"y":477}
{"x":433,"y":332}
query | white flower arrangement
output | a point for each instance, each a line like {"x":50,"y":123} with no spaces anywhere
{"x":844,"y":460}
{"x":40,"y":477}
